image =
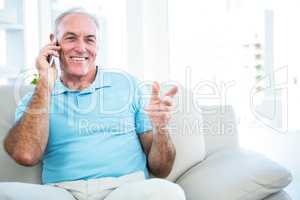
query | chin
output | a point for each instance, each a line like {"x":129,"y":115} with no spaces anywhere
{"x":78,"y":70}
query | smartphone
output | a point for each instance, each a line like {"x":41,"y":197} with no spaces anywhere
{"x":51,"y":62}
{"x":51,"y":59}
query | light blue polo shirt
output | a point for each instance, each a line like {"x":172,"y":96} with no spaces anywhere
{"x":94,"y":132}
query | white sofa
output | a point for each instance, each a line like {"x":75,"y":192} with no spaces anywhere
{"x":209,"y":165}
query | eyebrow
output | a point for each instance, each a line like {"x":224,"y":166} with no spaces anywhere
{"x":69,"y":33}
{"x":73,"y":34}
{"x":91,"y":36}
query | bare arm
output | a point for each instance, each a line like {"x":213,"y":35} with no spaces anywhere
{"x":160,"y":151}
{"x":158,"y":146}
{"x":27,"y":139}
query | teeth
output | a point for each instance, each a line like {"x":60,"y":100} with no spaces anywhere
{"x":78,"y":58}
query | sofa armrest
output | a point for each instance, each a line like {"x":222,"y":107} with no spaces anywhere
{"x":234,"y":174}
{"x":219,"y":128}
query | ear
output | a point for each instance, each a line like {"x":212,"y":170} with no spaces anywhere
{"x":52,"y":37}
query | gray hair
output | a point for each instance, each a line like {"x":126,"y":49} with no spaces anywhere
{"x":71,"y":11}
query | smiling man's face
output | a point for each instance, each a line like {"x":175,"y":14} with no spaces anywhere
{"x":77,"y":36}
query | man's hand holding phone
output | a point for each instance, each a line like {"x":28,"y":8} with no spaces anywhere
{"x":47,"y":72}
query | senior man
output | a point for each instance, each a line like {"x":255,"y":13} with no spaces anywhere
{"x":90,"y":127}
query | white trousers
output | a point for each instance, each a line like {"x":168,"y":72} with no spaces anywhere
{"x":129,"y":187}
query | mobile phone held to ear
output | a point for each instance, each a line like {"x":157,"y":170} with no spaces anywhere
{"x":54,"y":62}
{"x":51,"y":58}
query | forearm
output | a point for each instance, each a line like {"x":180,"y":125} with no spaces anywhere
{"x":27,"y":139}
{"x":162,"y":153}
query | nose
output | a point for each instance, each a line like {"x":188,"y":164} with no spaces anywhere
{"x":80,"y":46}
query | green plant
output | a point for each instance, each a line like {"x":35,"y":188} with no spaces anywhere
{"x":258,"y":67}
{"x":35,"y":79}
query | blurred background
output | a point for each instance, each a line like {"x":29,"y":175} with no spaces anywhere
{"x":238,"y":52}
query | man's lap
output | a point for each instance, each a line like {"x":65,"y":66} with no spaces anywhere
{"x":154,"y":189}
{"x":102,"y":189}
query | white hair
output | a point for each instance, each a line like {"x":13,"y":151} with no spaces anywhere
{"x":71,"y":11}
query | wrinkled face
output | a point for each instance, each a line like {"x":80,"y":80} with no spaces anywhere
{"x":77,"y":36}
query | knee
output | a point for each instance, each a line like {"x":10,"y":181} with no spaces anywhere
{"x":163,"y":189}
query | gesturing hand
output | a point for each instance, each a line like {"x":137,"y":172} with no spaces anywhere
{"x":159,"y":109}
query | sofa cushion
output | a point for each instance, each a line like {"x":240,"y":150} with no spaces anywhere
{"x":282,"y":195}
{"x":234,"y":174}
{"x":185,"y":130}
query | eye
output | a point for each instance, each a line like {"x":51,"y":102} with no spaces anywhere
{"x":91,"y":40}
{"x":70,"y":38}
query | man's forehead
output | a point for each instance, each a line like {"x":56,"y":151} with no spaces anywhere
{"x":77,"y":24}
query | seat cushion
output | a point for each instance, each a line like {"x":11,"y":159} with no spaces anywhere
{"x":234,"y":174}
{"x":282,"y":195}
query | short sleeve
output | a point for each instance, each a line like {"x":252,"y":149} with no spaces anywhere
{"x":141,"y":100}
{"x":21,"y":108}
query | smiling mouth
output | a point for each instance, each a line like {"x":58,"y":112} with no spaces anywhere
{"x":78,"y":58}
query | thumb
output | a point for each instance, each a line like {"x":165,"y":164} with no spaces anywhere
{"x":172,"y":92}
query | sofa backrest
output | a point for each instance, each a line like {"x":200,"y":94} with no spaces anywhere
{"x":219,"y":128}
{"x":198,"y":130}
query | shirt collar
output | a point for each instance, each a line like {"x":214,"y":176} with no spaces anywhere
{"x":100,"y":81}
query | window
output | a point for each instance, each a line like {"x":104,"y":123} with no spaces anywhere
{"x":3,"y":49}
{"x":11,"y":37}
{"x":18,"y":34}
{"x":224,"y":45}
{"x":2,"y":37}
{"x":253,"y":43}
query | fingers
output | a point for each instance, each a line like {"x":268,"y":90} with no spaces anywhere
{"x":172,"y":92}
{"x":155,"y":91}
{"x":43,"y":61}
{"x":158,"y":116}
{"x":53,"y":45}
{"x":158,"y":108}
{"x":167,"y":100}
{"x":50,"y":50}
{"x":155,"y":88}
{"x":52,"y":53}
{"x":166,"y":104}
